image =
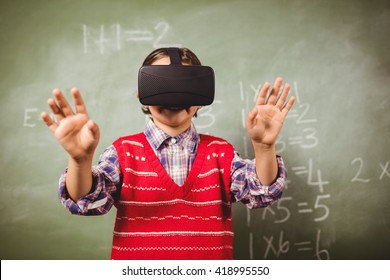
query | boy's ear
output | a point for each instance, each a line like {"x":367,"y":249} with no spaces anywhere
{"x":137,"y":94}
{"x":197,"y":110}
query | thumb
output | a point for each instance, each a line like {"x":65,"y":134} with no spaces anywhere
{"x":94,"y":128}
{"x":251,"y":117}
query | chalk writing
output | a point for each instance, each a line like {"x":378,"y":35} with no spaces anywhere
{"x":289,"y":207}
{"x":357,"y":178}
{"x":306,"y":137}
{"x":307,"y":141}
{"x":283,"y":246}
{"x":384,"y":170}
{"x":303,"y":207}
{"x":206,"y":117}
{"x":248,"y":98}
{"x":301,"y":118}
{"x":317,"y":205}
{"x":311,"y":181}
{"x":32,"y":117}
{"x":360,"y":178}
{"x":284,"y":211}
{"x":106,"y":39}
{"x":27,"y":120}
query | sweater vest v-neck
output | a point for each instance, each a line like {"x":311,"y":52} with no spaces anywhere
{"x":157,"y":219}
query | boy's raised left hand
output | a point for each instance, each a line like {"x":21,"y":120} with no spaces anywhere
{"x":265,"y":121}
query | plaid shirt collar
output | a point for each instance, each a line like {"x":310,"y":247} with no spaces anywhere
{"x":188,"y":139}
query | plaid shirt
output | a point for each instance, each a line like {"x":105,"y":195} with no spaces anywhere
{"x":177,"y":155}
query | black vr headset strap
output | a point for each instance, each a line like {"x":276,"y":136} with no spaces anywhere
{"x":174,"y":55}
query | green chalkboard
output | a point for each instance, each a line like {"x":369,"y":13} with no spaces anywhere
{"x":335,"y":142}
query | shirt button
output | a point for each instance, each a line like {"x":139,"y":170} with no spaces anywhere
{"x":173,"y":140}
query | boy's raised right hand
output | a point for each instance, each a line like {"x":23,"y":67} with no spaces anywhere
{"x":75,"y":131}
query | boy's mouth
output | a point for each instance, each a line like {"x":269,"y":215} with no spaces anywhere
{"x":176,"y":109}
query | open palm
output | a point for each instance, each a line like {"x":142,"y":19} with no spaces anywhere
{"x":76,"y":133}
{"x":265,"y":121}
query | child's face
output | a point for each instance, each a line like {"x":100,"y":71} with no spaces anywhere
{"x":172,"y":117}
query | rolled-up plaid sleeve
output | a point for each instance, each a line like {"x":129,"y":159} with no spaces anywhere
{"x":107,"y":180}
{"x":246,"y":186}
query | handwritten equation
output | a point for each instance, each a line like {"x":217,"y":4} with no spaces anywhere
{"x":279,"y":245}
{"x":103,"y":38}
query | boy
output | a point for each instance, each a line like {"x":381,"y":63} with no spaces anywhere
{"x":172,"y":187}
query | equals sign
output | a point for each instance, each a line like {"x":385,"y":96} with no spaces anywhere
{"x":299,"y":170}
{"x":296,"y":140}
{"x":305,"y":210}
{"x":303,"y":246}
{"x":138,"y":35}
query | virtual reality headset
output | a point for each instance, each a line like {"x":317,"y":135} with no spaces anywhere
{"x":176,"y":85}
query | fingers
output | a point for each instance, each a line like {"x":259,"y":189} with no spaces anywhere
{"x":275,"y":91}
{"x":52,"y":125}
{"x":288,"y":106}
{"x":252,"y":115}
{"x":273,"y":98}
{"x":62,"y":106}
{"x":59,"y":106}
{"x":78,"y":101}
{"x":263,"y":94}
{"x":283,"y":96}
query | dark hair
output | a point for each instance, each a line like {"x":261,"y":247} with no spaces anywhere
{"x":187,"y":56}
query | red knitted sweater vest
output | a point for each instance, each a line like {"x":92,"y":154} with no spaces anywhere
{"x":157,"y":219}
